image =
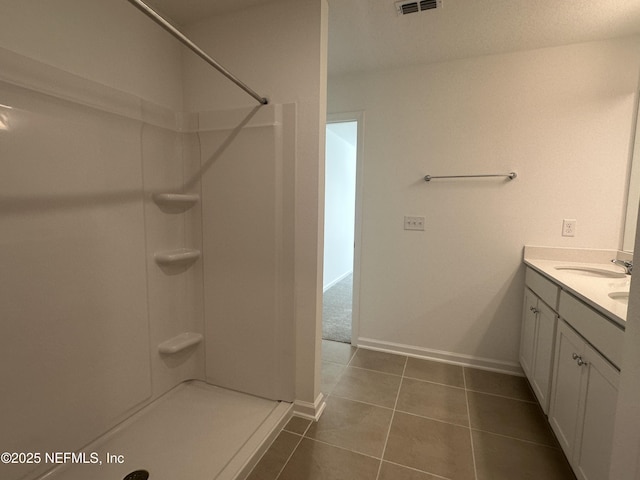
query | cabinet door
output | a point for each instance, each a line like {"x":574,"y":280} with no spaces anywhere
{"x":528,"y":333}
{"x":566,"y":391}
{"x":543,"y":357}
{"x":593,"y":447}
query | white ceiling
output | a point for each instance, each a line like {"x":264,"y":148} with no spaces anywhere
{"x":369,"y":35}
{"x":184,"y":12}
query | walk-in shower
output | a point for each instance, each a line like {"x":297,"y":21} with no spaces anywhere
{"x":146,"y":282}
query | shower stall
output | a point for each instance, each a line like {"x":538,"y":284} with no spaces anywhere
{"x":147,"y":286}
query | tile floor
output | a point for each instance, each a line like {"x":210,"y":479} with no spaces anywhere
{"x":391,"y":417}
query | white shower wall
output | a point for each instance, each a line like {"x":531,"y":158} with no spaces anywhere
{"x":247,"y":206}
{"x":84,"y":304}
{"x":169,"y":159}
{"x":75,"y":346}
{"x":109,"y":42}
{"x":279,"y":48}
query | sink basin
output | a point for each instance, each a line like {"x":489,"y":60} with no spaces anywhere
{"x":591,"y":271}
{"x":622,"y":297}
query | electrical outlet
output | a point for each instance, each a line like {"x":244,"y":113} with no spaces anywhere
{"x":414,"y":223}
{"x":569,"y":227}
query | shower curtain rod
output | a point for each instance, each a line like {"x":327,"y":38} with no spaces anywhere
{"x":156,"y":17}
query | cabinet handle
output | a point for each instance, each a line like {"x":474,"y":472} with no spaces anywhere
{"x":578,"y":360}
{"x":534,"y":310}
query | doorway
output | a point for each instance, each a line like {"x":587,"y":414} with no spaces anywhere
{"x":340,"y":233}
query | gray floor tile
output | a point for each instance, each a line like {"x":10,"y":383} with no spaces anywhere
{"x":513,"y":418}
{"x":436,"y":372}
{"x":431,"y":446}
{"x":390,"y":471}
{"x":368,"y":386}
{"x":429,"y":437}
{"x":274,"y":459}
{"x":498,"y":384}
{"x":317,"y":461}
{"x":380,"y":361}
{"x":297,"y":425}
{"x":330,"y":375}
{"x":337,"y":352}
{"x":440,"y":402}
{"x":497,"y":458}
{"x":356,"y":426}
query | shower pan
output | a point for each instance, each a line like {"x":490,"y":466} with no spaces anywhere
{"x":194,"y":431}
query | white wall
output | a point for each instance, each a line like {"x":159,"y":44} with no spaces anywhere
{"x":279,"y":50}
{"x":560,"y":117}
{"x":110,"y":42}
{"x":339,"y":203}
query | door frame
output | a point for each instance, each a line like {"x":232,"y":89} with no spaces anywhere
{"x":357,"y":117}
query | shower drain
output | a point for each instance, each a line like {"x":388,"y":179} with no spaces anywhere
{"x":137,"y":475}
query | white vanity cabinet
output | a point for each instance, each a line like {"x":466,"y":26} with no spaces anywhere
{"x":538,"y":333}
{"x":585,"y":387}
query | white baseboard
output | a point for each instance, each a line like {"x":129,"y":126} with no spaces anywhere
{"x":337,"y":280}
{"x":511,"y":368}
{"x":312,"y":411}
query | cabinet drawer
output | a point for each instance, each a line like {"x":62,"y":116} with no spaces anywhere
{"x":545,"y":289}
{"x":599,"y":331}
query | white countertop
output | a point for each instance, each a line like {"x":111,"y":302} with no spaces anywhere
{"x":591,"y":289}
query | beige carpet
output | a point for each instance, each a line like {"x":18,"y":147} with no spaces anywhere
{"x":336,"y":311}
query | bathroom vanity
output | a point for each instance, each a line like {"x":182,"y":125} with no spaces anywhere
{"x":572,"y":336}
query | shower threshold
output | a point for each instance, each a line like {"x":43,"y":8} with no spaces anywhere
{"x":196,"y":431}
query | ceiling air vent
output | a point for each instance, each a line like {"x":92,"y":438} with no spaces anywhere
{"x":428,"y":4}
{"x":405,"y":8}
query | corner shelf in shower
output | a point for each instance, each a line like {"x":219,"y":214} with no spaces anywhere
{"x":179,"y":343}
{"x":176,"y":201}
{"x":179,"y":257}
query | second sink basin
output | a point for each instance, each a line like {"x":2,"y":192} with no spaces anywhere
{"x":591,"y":271}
